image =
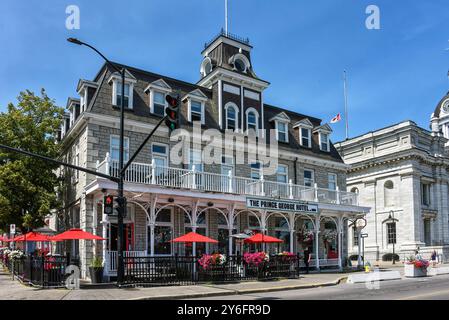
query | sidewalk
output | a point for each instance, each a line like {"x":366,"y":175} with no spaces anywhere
{"x":14,"y":290}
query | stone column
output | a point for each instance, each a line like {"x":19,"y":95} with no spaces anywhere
{"x":317,"y":242}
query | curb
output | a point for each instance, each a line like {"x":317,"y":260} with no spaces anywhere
{"x":229,"y":292}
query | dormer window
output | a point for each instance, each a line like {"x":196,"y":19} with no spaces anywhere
{"x":282,"y":131}
{"x":281,"y":122}
{"x":157,"y":91}
{"x":239,"y":65}
{"x":305,"y":136}
{"x":118,"y":96}
{"x":305,"y":132}
{"x":323,"y":136}
{"x":324,"y":141}
{"x":196,"y":111}
{"x":196,"y":101}
{"x":206,"y":67}
{"x":117,"y":89}
{"x":240,"y":62}
{"x":231,"y":116}
{"x":159,"y":103}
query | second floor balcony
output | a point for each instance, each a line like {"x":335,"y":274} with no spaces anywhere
{"x":179,"y":178}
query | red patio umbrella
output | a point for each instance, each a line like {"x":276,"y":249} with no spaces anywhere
{"x":75,"y":234}
{"x":194,"y":237}
{"x":261,"y":238}
{"x":35,"y":236}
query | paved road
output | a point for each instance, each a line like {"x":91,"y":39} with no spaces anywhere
{"x":432,"y":288}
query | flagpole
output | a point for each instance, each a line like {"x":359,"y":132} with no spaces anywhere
{"x":226,"y":16}
{"x":346,"y":104}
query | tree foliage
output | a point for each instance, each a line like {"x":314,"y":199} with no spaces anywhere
{"x":27,"y":184}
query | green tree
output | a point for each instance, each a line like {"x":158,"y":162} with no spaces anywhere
{"x":28,"y":185}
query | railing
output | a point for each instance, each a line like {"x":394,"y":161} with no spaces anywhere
{"x":181,"y":270}
{"x":45,"y":272}
{"x":211,"y":182}
{"x":227,"y":35}
{"x":111,"y":260}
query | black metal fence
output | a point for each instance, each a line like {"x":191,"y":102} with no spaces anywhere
{"x":181,"y":270}
{"x":40,"y":271}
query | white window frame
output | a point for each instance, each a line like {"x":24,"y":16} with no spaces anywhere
{"x":277,"y":123}
{"x":236,"y":110}
{"x":115,"y":84}
{"x":158,"y":155}
{"x":189,"y":108}
{"x":170,"y":224}
{"x":152,"y":102}
{"x":226,"y":164}
{"x":76,"y":162}
{"x":282,"y":174}
{"x":311,"y":179}
{"x":309,"y":137}
{"x":257,"y":171}
{"x":83,"y":100}
{"x":329,"y":175}
{"x":248,"y":111}
{"x":191,"y":159}
{"x":125,"y":143}
{"x":320,"y":134}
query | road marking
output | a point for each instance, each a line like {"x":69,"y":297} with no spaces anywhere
{"x":418,"y":296}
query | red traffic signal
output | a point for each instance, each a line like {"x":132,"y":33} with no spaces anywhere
{"x":172,"y":101}
{"x":172,"y":119}
{"x":108,"y":205}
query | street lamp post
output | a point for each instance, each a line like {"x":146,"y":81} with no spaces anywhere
{"x":120,"y":200}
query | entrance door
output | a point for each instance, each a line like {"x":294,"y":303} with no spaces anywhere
{"x":127,"y":239}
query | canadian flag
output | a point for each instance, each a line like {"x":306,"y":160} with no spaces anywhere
{"x":336,"y":119}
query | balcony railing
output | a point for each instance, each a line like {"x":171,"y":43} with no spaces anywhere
{"x":212,"y":182}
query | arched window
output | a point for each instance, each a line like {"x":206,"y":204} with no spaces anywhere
{"x":231,"y":116}
{"x":388,"y":193}
{"x":252,"y":120}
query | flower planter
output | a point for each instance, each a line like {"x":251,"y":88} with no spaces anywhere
{"x":410,"y":271}
{"x":96,"y":274}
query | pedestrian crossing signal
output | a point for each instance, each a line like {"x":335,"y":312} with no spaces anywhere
{"x":108,"y":205}
{"x":172,"y":119}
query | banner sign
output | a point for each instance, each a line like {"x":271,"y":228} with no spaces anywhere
{"x":280,"y":205}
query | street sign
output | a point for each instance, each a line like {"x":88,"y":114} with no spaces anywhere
{"x":12,"y":229}
{"x":280,"y":205}
{"x":364,"y":235}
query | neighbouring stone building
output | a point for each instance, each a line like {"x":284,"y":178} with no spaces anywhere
{"x":402,"y":172}
{"x":166,"y":200}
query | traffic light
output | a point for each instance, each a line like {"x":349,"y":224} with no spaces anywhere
{"x":172,"y":120}
{"x":108,"y":205}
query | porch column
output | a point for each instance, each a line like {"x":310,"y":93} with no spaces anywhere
{"x":104,"y":223}
{"x":291,"y":223}
{"x":151,"y":224}
{"x":230,"y":228}
{"x":263,"y":226}
{"x":339,"y":239}
{"x":194,"y":243}
{"x":152,"y":221}
{"x":317,"y":242}
{"x":292,"y":237}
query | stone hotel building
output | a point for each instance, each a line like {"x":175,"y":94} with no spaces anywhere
{"x":166,"y":200}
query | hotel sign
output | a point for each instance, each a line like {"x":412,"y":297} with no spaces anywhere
{"x":280,"y":205}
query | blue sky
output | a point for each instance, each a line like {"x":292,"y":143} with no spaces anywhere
{"x":302,"y":47}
